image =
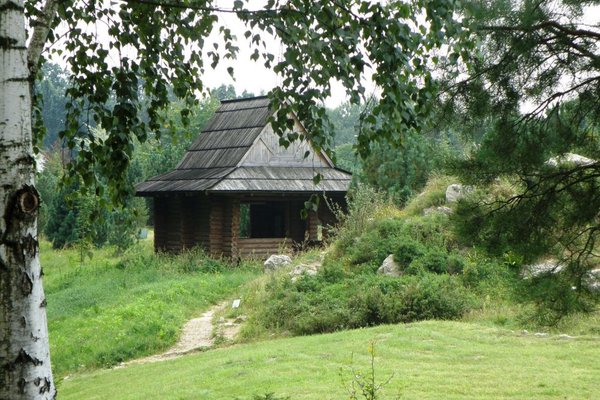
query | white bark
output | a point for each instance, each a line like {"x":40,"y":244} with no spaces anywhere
{"x":25,"y":371}
{"x":40,"y":34}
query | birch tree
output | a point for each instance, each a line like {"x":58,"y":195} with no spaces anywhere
{"x":156,"y":45}
{"x":24,"y":354}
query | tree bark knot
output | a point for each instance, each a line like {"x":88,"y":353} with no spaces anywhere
{"x":28,"y":200}
{"x":22,"y":208}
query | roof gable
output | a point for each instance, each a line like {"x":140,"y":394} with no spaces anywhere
{"x":239,"y":138}
{"x":266,"y":151}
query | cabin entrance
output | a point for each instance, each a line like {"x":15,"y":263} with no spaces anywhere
{"x":267,"y":219}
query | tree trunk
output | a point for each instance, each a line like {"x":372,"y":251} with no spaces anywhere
{"x":25,"y":371}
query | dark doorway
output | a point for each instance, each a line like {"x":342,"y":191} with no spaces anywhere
{"x":263,"y":220}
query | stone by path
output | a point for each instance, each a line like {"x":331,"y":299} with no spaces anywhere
{"x":197,"y":335}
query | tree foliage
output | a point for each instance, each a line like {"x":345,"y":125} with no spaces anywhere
{"x":401,"y":172}
{"x":346,"y":123}
{"x":152,"y":46}
{"x":534,"y":87}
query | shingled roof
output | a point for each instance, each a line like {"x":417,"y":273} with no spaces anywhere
{"x":238,"y":152}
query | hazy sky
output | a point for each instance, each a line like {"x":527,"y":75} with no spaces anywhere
{"x":250,"y":75}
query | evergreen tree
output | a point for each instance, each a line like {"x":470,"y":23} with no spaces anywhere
{"x":534,"y":89}
{"x":51,"y":90}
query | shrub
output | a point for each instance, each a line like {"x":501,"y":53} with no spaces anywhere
{"x":407,"y":251}
{"x":365,"y":205}
{"x":429,"y":296}
{"x":433,"y":261}
{"x":312,"y":305}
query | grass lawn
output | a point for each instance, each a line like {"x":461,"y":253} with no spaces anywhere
{"x":428,"y":360}
{"x":109,"y":309}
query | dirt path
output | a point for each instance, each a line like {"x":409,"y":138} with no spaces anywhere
{"x":197,"y":335}
{"x":200,"y":333}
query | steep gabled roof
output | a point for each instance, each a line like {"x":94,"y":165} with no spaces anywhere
{"x":228,"y":135}
{"x":238,"y":152}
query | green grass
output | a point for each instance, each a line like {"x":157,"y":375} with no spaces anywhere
{"x":428,"y":360}
{"x":111,"y":309}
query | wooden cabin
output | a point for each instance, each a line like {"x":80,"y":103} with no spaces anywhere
{"x":238,"y":193}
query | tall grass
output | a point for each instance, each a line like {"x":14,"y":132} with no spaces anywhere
{"x":110,"y":309}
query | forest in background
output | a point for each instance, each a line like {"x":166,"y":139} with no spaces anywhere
{"x":74,"y":216}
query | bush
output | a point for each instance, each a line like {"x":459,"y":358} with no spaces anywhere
{"x":407,"y":251}
{"x":313,"y":305}
{"x":365,"y":206}
{"x":434,"y":261}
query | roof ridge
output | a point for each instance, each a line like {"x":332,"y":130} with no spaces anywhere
{"x":244,"y":99}
{"x":219,"y":111}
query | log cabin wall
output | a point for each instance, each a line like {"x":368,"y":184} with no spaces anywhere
{"x":216,"y":226}
{"x":213,"y":222}
{"x":312,"y":227}
{"x":231,"y":227}
{"x":195,"y":222}
{"x":167,"y":224}
{"x":296,"y":225}
{"x":261,"y":247}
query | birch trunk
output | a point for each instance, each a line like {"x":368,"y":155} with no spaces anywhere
{"x":25,"y":371}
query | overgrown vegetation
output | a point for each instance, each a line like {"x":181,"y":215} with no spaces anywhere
{"x":440,"y":278}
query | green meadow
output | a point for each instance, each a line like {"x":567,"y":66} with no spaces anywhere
{"x":425,"y":360}
{"x":107,"y":309}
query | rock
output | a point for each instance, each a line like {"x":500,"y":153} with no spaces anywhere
{"x":544,"y":267}
{"x":441,"y":210}
{"x":389,"y":267}
{"x":569,"y":158}
{"x":593,"y":279}
{"x":456,"y":191}
{"x":277,"y":261}
{"x":303,"y":269}
{"x":236,"y":303}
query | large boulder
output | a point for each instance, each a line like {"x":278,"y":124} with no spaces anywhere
{"x":591,"y":278}
{"x":389,"y":267}
{"x":456,"y":191}
{"x":277,"y":261}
